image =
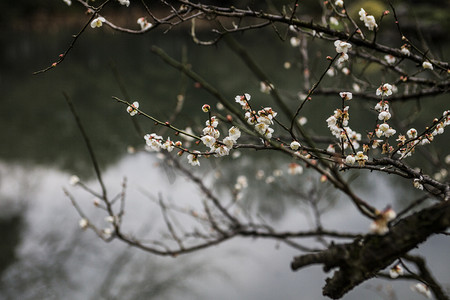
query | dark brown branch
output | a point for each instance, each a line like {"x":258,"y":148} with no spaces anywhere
{"x":363,"y":259}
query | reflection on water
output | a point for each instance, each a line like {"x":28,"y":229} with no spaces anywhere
{"x":44,"y":253}
{"x":55,"y":258}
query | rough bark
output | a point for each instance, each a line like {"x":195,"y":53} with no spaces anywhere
{"x":363,"y":258}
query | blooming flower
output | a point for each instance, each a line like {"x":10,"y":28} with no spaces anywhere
{"x":341,"y":46}
{"x":384,"y":116}
{"x":154,"y":141}
{"x":132,"y":109}
{"x":210,"y":130}
{"x":421,"y":289}
{"x":222,"y":150}
{"x":97,"y":22}
{"x":339,"y":3}
{"x":390,"y":59}
{"x":168,"y":145}
{"x":411,"y":133}
{"x":334,"y":21}
{"x":396,"y":271}
{"x":234,"y":133}
{"x":404,"y":50}
{"x":384,"y":90}
{"x":427,"y":65}
{"x":346,"y":95}
{"x":229,"y":142}
{"x":193,"y":159}
{"x":417,"y":184}
{"x":295,"y":42}
{"x":295,"y":169}
{"x":295,"y":145}
{"x":368,"y":20}
{"x":343,"y":58}
{"x":83,"y":223}
{"x":361,"y":158}
{"x":350,"y":159}
{"x":265,"y":87}
{"x":208,"y":140}
{"x":125,"y":2}
{"x":331,"y":149}
{"x":74,"y":180}
{"x":145,"y":25}
{"x":243,"y":100}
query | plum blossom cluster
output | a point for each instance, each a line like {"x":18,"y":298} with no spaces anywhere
{"x":383,"y":129}
{"x":338,"y":125}
{"x":369,"y":20}
{"x":261,"y":119}
{"x":408,"y":143}
{"x":211,"y":136}
{"x":342,"y":48}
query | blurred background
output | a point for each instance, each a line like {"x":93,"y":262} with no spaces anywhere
{"x":45,"y":255}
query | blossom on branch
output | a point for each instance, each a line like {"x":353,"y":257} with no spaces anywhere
{"x":342,"y":47}
{"x":125,"y":2}
{"x":396,"y":271}
{"x":145,"y":25}
{"x":97,"y":22}
{"x":422,"y":289}
{"x":385,"y":90}
{"x":193,"y":159}
{"x":368,"y":20}
{"x":346,"y":95}
{"x":427,"y":65}
{"x":132,"y":109}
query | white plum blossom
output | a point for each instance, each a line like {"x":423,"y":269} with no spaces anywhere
{"x":361,"y":158}
{"x":427,"y":65}
{"x":368,"y":20}
{"x":222,"y":150}
{"x":295,"y":169}
{"x":125,"y":2}
{"x":390,"y":59}
{"x":350,"y":159}
{"x":341,"y":46}
{"x":133,"y":108}
{"x":83,"y":223}
{"x":295,"y":145}
{"x":346,"y":71}
{"x":346,"y":95}
{"x":384,"y":116}
{"x":74,"y":180}
{"x":417,"y":184}
{"x":404,"y":50}
{"x":384,"y":90}
{"x":168,"y":145}
{"x":331,"y":149}
{"x":243,"y":100}
{"x":234,"y":133}
{"x":193,"y":159}
{"x":356,"y":87}
{"x":295,"y":41}
{"x":334,"y":21}
{"x":97,"y":22}
{"x":339,"y":3}
{"x":411,"y":133}
{"x":229,"y":142}
{"x":208,"y":140}
{"x":265,"y":87}
{"x":343,"y":58}
{"x":422,"y":289}
{"x":210,"y":130}
{"x":153,"y":141}
{"x":396,"y":271}
{"x":68,"y":2}
{"x":145,"y":25}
